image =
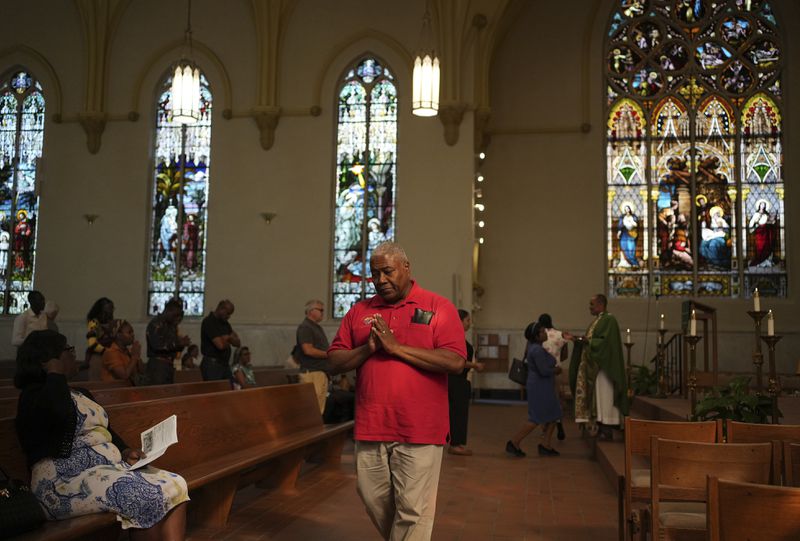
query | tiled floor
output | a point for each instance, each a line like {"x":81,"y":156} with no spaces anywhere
{"x":488,"y":496}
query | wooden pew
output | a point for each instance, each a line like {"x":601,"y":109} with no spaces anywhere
{"x":791,"y":464}
{"x":13,"y":392}
{"x":746,"y":511}
{"x":678,"y":477}
{"x":226,"y":440}
{"x":188,"y":376}
{"x":637,"y":452}
{"x":760,"y":433}
{"x":105,"y":397}
{"x":264,"y":375}
{"x":7,"y":382}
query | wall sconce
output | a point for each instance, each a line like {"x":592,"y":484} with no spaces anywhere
{"x":268,"y":217}
{"x":91,"y":218}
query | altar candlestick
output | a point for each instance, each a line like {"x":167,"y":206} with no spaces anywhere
{"x":661,"y":323}
{"x":693,"y":324}
{"x":770,"y":324}
{"x":756,"y":301}
{"x":628,"y":337}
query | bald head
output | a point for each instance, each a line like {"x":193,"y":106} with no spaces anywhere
{"x":224,"y":309}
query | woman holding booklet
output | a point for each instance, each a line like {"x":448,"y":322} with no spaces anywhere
{"x":78,"y":464}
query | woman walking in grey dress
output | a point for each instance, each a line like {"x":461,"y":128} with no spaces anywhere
{"x":543,"y":406}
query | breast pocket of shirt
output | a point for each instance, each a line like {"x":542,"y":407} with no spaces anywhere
{"x":419,"y":335}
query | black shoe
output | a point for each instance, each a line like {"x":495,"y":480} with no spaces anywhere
{"x":561,"y":435}
{"x":514,"y":450}
{"x":544,"y":451}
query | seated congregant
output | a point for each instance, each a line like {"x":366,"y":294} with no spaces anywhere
{"x":78,"y":464}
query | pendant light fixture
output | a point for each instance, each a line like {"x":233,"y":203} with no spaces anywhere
{"x":425,"y":94}
{"x":186,"y":82}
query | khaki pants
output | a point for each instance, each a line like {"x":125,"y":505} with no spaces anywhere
{"x":398,"y":483}
{"x":320,"y":381}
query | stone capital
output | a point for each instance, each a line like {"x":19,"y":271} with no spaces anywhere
{"x":451,"y":115}
{"x":94,"y":124}
{"x":266,"y":119}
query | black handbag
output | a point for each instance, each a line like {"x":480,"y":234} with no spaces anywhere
{"x":19,"y":509}
{"x":518,"y":372}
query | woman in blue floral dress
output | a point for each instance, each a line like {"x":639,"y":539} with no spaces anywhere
{"x":78,"y":464}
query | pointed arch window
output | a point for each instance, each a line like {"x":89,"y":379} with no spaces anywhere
{"x":365,"y":177}
{"x":179,"y":204}
{"x":695,"y":200}
{"x":22,"y":110}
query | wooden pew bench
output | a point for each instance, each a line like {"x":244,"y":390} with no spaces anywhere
{"x":13,"y":392}
{"x":225,"y":440}
{"x":8,"y":403}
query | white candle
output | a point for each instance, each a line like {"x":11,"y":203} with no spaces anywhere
{"x":628,"y":337}
{"x":756,"y":301}
{"x":770,"y":324}
{"x":693,"y":324}
{"x":661,"y":323}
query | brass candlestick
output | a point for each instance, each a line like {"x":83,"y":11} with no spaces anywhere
{"x":774,"y":389}
{"x":628,"y":346}
{"x":692,"y":341}
{"x":758,"y":357}
{"x":661,"y":364}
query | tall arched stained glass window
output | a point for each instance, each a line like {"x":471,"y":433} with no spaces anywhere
{"x":695,"y":185}
{"x":21,"y":137}
{"x":365,"y":180}
{"x":180,"y":200}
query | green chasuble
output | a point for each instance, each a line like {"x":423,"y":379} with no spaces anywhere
{"x":603,"y":351}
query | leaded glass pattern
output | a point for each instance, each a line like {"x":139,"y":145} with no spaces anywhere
{"x":694,"y":178}
{"x":22,"y":114}
{"x":365,"y":178}
{"x":180,"y":200}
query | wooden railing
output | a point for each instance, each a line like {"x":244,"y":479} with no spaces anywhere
{"x":673,"y":368}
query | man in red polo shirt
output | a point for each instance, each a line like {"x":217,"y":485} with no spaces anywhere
{"x":403,"y":341}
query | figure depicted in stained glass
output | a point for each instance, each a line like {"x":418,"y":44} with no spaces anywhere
{"x":628,"y":235}
{"x":5,"y":244}
{"x":633,"y":8}
{"x":764,"y":229}
{"x":190,"y":240}
{"x":168,"y":234}
{"x":23,"y":237}
{"x":690,"y":11}
{"x":715,"y":239}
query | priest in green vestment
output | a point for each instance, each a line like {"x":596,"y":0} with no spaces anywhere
{"x":597,"y":372}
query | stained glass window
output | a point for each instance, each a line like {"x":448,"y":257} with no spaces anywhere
{"x":180,"y":200}
{"x":695,"y":185}
{"x":365,"y":180}
{"x":21,"y":137}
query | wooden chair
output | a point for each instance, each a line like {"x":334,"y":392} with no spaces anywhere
{"x":637,"y":452}
{"x":745,"y":511}
{"x":761,"y":433}
{"x":678,"y":481}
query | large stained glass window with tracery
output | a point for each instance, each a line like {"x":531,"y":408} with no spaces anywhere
{"x":694,"y":176}
{"x":22,"y":107}
{"x":365,"y":179}
{"x":180,"y":201}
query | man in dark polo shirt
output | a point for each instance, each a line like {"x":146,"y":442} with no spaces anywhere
{"x":312,"y":351}
{"x":403,"y":342}
{"x":163,"y":343}
{"x":216,"y":339}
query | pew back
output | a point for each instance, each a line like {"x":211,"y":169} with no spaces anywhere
{"x":637,"y":450}
{"x":746,"y":511}
{"x":758,"y":433}
{"x":679,"y":471}
{"x":791,"y":461}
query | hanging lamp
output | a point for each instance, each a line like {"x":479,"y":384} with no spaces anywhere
{"x":425,"y":94}
{"x":186,"y":83}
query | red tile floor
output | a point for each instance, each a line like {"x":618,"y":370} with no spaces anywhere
{"x":488,"y":496}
